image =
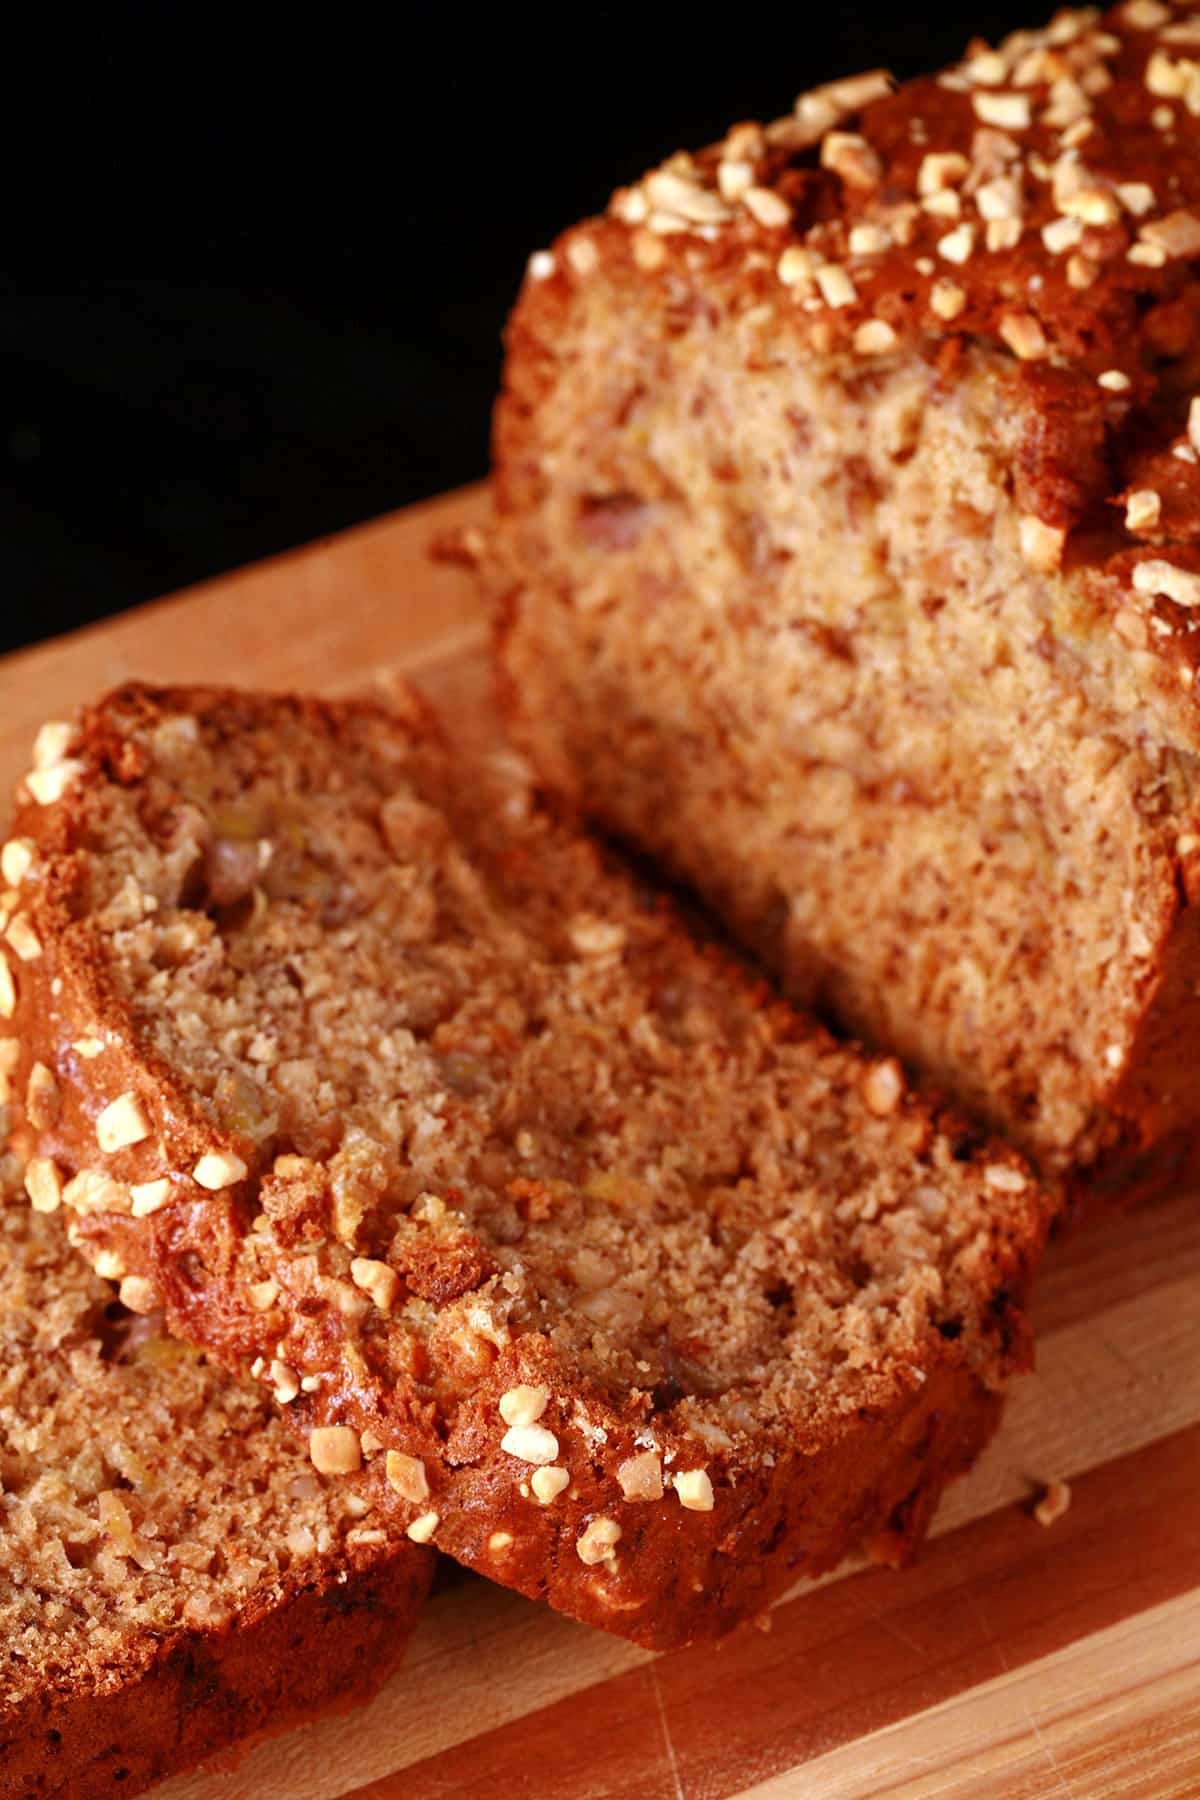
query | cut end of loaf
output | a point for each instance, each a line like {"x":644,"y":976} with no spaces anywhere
{"x":848,"y":562}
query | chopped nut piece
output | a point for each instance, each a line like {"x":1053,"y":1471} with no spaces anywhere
{"x":1159,"y":577}
{"x":583,"y":255}
{"x":218,"y":1169}
{"x":1055,"y":1501}
{"x":263,"y":1294}
{"x":957,"y":246}
{"x":836,"y":287}
{"x":41,"y":1097}
{"x":1004,"y":1179}
{"x":1095,"y":206}
{"x":123,"y":1122}
{"x":530,"y":1443}
{"x":640,"y":1477}
{"x":867,"y":239}
{"x":500,"y":1541}
{"x":49,"y":785}
{"x":648,"y":251}
{"x":1176,"y":235}
{"x":766,"y":206}
{"x":541,"y":265}
{"x":941,"y":169}
{"x":1011,"y":112}
{"x":88,"y":1048}
{"x":1024,"y":336}
{"x":16,"y":860}
{"x":423,"y":1528}
{"x":149,"y":1196}
{"x":1115,"y":381}
{"x":1041,"y":544}
{"x":849,"y":155}
{"x":1143,"y":509}
{"x":94,"y":1191}
{"x":734,"y":176}
{"x":883,"y":1087}
{"x":406,"y":1476}
{"x":548,"y":1483}
{"x":695,"y":1490}
{"x":334,"y":1450}
{"x":43,"y":1184}
{"x":1137,"y":197}
{"x":685,"y":198}
{"x":138,"y":1294}
{"x":524,"y":1405}
{"x":598,"y":1541}
{"x":795,"y":267}
{"x":1062,"y":234}
{"x":947,"y":299}
{"x":52,"y":743}
{"x":596,"y":937}
{"x":874,"y":337}
{"x":109,"y":1265}
{"x":1145,"y":15}
{"x":285,"y":1381}
{"x":8,"y":989}
{"x":946,"y":203}
{"x":376,"y":1279}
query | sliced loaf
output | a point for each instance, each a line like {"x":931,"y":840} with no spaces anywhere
{"x":611,"y":1277}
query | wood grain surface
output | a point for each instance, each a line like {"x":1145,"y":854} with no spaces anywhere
{"x":1013,"y":1660}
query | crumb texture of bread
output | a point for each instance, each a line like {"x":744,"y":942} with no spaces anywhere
{"x":848,"y":555}
{"x":174,"y":1575}
{"x":610,"y":1276}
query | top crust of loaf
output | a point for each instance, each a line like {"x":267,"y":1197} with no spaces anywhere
{"x":609,"y":1276}
{"x":1041,"y":199}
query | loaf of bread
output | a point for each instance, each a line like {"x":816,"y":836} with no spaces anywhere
{"x":611,"y":1278}
{"x":173,"y":1573}
{"x":849,"y":546}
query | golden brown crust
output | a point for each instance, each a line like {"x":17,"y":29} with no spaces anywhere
{"x":254,"y":1265}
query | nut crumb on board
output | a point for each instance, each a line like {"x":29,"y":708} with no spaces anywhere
{"x":1054,"y":1502}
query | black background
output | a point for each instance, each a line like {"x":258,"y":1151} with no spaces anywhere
{"x":254,"y":266}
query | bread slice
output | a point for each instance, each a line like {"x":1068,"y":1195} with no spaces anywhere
{"x":849,"y":536}
{"x":616,"y":1281}
{"x":173,"y":1574}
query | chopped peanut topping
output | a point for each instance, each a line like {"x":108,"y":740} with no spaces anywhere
{"x":548,"y":1483}
{"x":334,"y":1450}
{"x":123,"y":1122}
{"x":695,"y":1490}
{"x":406,"y":1476}
{"x":524,"y":1405}
{"x":598,"y":1541}
{"x":530,"y":1443}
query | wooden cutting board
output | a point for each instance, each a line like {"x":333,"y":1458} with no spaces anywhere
{"x":1014,"y":1660}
